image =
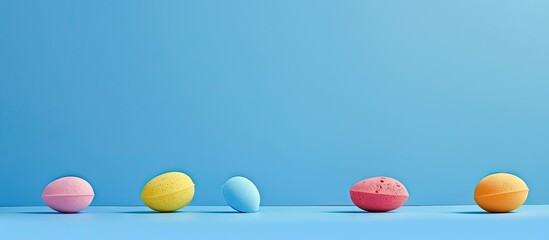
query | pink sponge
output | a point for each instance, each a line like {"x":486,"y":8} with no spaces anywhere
{"x":379,"y":194}
{"x":68,"y":194}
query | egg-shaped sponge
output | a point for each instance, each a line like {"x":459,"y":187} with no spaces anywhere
{"x":68,"y":194}
{"x":379,"y":194}
{"x":168,"y":192}
{"x":241,"y":194}
{"x":501,"y":193}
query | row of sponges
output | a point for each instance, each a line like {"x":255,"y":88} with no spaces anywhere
{"x":166,"y":192}
{"x":172,"y":191}
{"x":496,"y":193}
{"x":169,"y":192}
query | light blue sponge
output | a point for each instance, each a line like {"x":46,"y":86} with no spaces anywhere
{"x":241,"y":194}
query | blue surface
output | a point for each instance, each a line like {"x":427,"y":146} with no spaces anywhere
{"x":443,"y":222}
{"x":304,"y":97}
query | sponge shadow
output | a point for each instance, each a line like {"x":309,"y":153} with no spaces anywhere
{"x":47,"y":213}
{"x":215,"y":212}
{"x":481,"y":213}
{"x":146,"y":212}
{"x":178,"y":212}
{"x":357,"y":211}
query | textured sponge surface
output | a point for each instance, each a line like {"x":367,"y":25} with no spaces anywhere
{"x":168,"y":192}
{"x":501,"y":192}
{"x":379,"y":194}
{"x":241,"y":194}
{"x":68,"y":194}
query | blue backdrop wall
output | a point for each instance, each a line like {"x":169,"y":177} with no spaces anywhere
{"x":303,"y":97}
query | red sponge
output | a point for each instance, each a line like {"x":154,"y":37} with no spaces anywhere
{"x":379,"y":194}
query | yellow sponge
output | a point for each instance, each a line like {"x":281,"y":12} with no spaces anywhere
{"x":500,"y":193}
{"x":168,"y":192}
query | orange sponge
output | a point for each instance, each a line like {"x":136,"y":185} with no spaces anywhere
{"x":500,"y":193}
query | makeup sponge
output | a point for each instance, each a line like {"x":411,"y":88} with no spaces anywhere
{"x":68,"y":194}
{"x":241,"y":194}
{"x":168,"y":192}
{"x":379,"y":194}
{"x":501,"y":192}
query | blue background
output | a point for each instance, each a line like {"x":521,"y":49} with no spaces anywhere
{"x":303,"y":97}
